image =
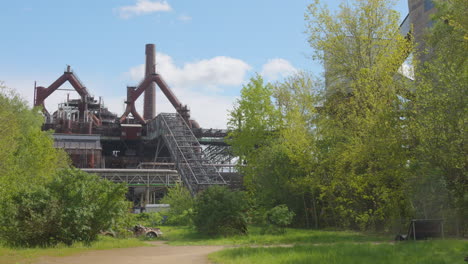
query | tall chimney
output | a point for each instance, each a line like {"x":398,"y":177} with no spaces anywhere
{"x":149,"y":105}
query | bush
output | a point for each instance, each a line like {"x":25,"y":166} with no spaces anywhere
{"x":278,"y":218}
{"x":219,"y":211}
{"x":74,"y":206}
{"x":181,"y":202}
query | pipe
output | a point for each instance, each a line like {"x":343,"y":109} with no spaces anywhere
{"x":149,"y":105}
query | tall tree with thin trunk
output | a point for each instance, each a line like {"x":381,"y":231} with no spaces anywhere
{"x":362,"y":125}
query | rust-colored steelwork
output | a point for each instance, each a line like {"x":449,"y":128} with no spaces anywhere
{"x":148,"y":87}
{"x":94,"y":137}
{"x":41,"y":93}
{"x":134,"y":92}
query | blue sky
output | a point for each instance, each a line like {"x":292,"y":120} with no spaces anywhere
{"x":206,"y":49}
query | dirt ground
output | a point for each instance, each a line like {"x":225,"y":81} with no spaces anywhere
{"x":159,"y":253}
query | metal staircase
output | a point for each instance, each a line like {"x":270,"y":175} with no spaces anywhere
{"x":195,"y":170}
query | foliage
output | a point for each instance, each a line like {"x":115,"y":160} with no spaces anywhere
{"x":181,"y":202}
{"x":362,"y":167}
{"x":253,"y":120}
{"x":272,"y":174}
{"x":280,"y":217}
{"x":152,"y":219}
{"x":438,"y":120}
{"x":74,"y":206}
{"x":277,"y":218}
{"x":333,"y":156}
{"x":27,"y":156}
{"x":219,"y":211}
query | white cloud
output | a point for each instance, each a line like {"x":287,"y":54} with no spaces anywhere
{"x":276,"y":69}
{"x":184,"y":18}
{"x":209,"y":74}
{"x":209,"y":110}
{"x":143,"y":7}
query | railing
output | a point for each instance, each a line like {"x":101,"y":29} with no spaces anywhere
{"x":138,"y":177}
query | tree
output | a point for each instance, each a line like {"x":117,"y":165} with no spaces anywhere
{"x":438,"y":119}
{"x":361,"y":126}
{"x":181,"y":202}
{"x":257,"y":123}
{"x":254,"y":119}
{"x":298,"y":98}
{"x":28,"y":156}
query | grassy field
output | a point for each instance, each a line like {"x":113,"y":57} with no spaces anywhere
{"x":187,"y":236}
{"x":28,"y":255}
{"x":296,"y":246}
{"x":420,"y":252}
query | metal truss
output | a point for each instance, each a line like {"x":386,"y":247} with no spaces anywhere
{"x":195,"y":170}
{"x":218,"y":154}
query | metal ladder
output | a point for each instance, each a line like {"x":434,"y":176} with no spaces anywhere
{"x":195,"y":170}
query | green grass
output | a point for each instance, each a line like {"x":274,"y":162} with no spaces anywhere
{"x":420,"y":252}
{"x":188,"y":236}
{"x":29,"y":255}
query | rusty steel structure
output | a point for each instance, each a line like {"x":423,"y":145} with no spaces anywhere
{"x":149,"y":153}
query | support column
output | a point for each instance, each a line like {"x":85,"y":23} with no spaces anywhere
{"x":147,"y":191}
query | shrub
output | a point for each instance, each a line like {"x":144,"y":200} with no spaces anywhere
{"x":278,"y":218}
{"x":181,"y":202}
{"x":219,"y":211}
{"x":74,"y":206}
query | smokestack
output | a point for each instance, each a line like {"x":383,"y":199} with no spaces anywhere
{"x":149,"y":105}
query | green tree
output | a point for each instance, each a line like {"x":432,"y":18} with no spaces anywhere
{"x":256,"y":125}
{"x":181,"y":202}
{"x":439,"y":119}
{"x":254,"y":119}
{"x":298,"y":98}
{"x":28,"y":156}
{"x":361,"y":127}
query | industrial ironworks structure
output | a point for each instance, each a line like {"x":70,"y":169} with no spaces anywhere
{"x":148,"y":153}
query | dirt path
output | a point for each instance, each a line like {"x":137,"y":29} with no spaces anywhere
{"x":160,"y":253}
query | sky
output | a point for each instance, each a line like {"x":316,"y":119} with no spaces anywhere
{"x":206,"y":49}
